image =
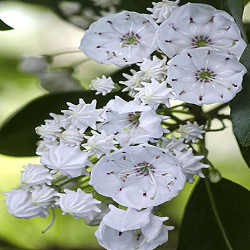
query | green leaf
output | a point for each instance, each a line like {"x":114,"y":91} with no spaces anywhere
{"x":240,"y":105}
{"x":245,"y":152}
{"x":247,"y":29}
{"x":4,"y":26}
{"x":246,"y":2}
{"x":17,"y":134}
{"x":217,"y":217}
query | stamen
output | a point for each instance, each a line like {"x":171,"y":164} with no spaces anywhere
{"x":227,"y":85}
{"x":152,"y":178}
{"x":142,"y":243}
{"x":52,"y":221}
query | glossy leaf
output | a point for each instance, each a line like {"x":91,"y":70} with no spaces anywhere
{"x":245,"y":152}
{"x":240,"y":105}
{"x":4,"y":26}
{"x":17,"y":135}
{"x":217,"y":217}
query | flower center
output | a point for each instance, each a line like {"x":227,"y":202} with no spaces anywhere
{"x":144,"y":168}
{"x":130,"y":40}
{"x":205,"y":75}
{"x":134,"y":118}
{"x":200,"y":41}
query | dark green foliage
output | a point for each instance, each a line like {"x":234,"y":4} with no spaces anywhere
{"x":240,"y":106}
{"x":217,"y":217}
{"x":4,"y":26}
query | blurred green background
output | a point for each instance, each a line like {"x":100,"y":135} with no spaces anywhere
{"x":38,"y":31}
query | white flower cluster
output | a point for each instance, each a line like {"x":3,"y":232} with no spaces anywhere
{"x":125,"y":150}
{"x":203,"y":44}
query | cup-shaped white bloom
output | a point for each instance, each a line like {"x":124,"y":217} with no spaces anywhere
{"x":83,"y":115}
{"x":154,"y":68}
{"x":100,"y":143}
{"x":106,"y":3}
{"x":43,"y":196}
{"x":191,"y":164}
{"x":71,"y":137}
{"x":172,"y":144}
{"x":102,"y":85}
{"x":130,"y":229}
{"x":205,"y":76}
{"x":155,"y":93}
{"x":78,"y":203}
{"x":138,"y":176}
{"x":98,"y":216}
{"x":48,"y":131}
{"x":162,"y":10}
{"x":120,"y":39}
{"x":191,"y":131}
{"x":199,"y":25}
{"x":130,"y":122}
{"x":20,"y":205}
{"x":42,"y":145}
{"x":35,"y":174}
{"x":59,"y":120}
{"x":70,"y":161}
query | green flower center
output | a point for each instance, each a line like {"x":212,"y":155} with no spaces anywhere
{"x":205,"y":75}
{"x":134,"y":117}
{"x":130,"y":40}
{"x":200,"y":41}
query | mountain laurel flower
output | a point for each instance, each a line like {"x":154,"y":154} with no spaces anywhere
{"x":35,"y":174}
{"x":155,"y":93}
{"x":205,"y":76}
{"x":121,"y":39}
{"x":102,"y":85}
{"x":191,"y":164}
{"x":70,"y":161}
{"x":138,"y":176}
{"x":83,"y":115}
{"x":199,"y":25}
{"x":19,"y":204}
{"x":42,"y":145}
{"x":162,"y":10}
{"x":99,"y":143}
{"x":130,"y":122}
{"x":131,"y":229}
{"x":154,"y":68}
{"x":191,"y":132}
{"x":78,"y":203}
{"x":133,"y":81}
{"x":172,"y":144}
{"x":98,"y":216}
{"x":48,"y":131}
{"x":43,"y":196}
{"x":60,"y":120}
{"x":71,"y":137}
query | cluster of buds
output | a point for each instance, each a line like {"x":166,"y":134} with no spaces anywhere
{"x":125,"y":152}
